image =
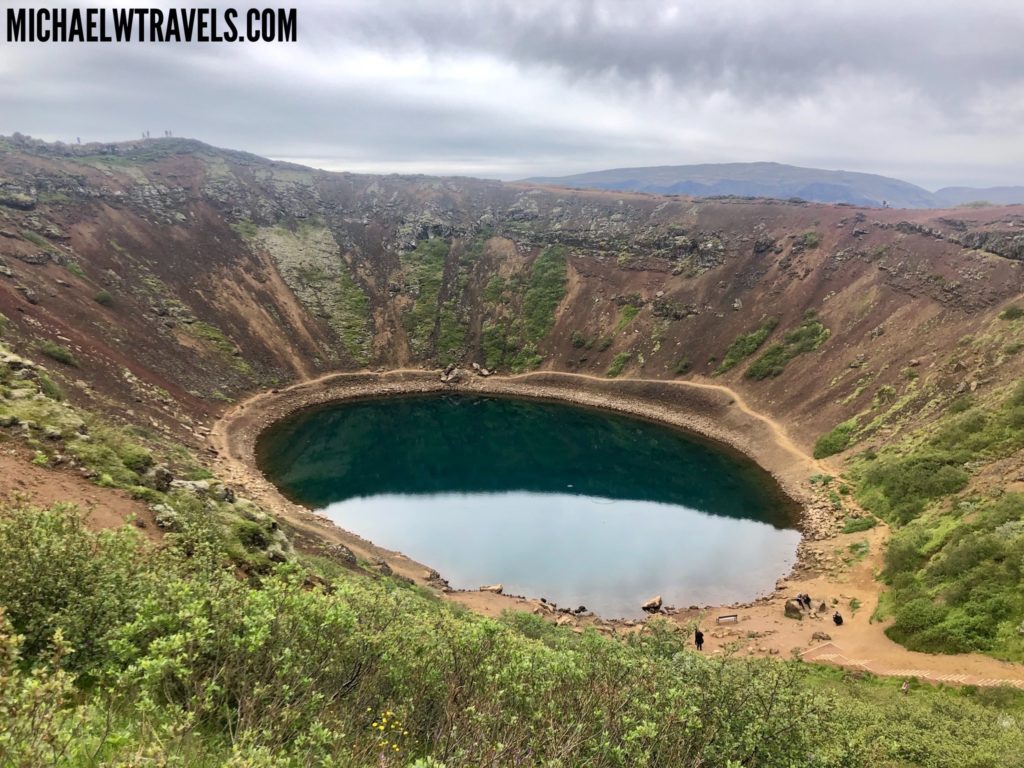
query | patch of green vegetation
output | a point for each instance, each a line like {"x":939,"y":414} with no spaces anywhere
{"x":964,"y":591}
{"x":113,"y":648}
{"x":352,"y":317}
{"x":511,"y":339}
{"x":246,"y":229}
{"x":451,"y":336}
{"x":424,"y":269}
{"x":494,"y":290}
{"x":579,"y":341}
{"x":618,"y":363}
{"x":858,"y":550}
{"x":216,"y":338}
{"x":682,"y":366}
{"x":59,"y":353}
{"x":544,"y":292}
{"x":75,"y":269}
{"x":48,"y":387}
{"x":859,"y":524}
{"x":810,"y":240}
{"x":837,"y":440}
{"x":1012,"y":312}
{"x":807,"y":337}
{"x":35,"y":239}
{"x":746,"y":344}
{"x":103,"y":298}
{"x":626,"y":316}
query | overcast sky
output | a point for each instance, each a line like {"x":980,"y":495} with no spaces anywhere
{"x":930,"y":91}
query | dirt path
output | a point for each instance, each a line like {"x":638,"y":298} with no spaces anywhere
{"x":827,"y":570}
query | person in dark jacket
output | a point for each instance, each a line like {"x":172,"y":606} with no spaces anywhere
{"x":698,"y":639}
{"x":837,"y":617}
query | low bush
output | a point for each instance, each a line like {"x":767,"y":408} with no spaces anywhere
{"x":837,"y":440}
{"x":57,"y":352}
{"x":618,"y":363}
{"x":746,"y":344}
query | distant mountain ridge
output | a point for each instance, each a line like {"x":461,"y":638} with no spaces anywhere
{"x":777,"y":180}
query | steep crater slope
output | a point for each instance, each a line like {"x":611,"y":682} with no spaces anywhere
{"x":210,"y":273}
{"x":166,"y":278}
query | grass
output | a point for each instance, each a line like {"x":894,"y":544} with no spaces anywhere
{"x":75,"y":269}
{"x":424,"y":270}
{"x":35,"y":239}
{"x":626,"y":316}
{"x":952,"y":564}
{"x":806,"y":337}
{"x":544,"y":292}
{"x":216,"y":339}
{"x":618,"y":363}
{"x":512,"y":337}
{"x":103,"y":298}
{"x":810,"y":240}
{"x":837,"y":440}
{"x":59,"y":353}
{"x":1012,"y":312}
{"x":746,"y":344}
{"x":859,"y":524}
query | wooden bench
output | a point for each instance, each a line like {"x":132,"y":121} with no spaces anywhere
{"x":727,"y":617}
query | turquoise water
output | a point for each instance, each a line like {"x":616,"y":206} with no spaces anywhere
{"x":580,"y":506}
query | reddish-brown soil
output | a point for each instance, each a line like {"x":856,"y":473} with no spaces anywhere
{"x":22,"y":482}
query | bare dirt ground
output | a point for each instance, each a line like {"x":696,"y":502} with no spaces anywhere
{"x":846,"y":582}
{"x":22,"y":482}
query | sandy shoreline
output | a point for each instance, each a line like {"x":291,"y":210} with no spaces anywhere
{"x":705,"y":409}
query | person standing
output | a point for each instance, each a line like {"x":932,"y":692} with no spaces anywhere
{"x":698,"y":639}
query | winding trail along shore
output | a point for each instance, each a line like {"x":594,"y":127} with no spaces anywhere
{"x":705,"y":409}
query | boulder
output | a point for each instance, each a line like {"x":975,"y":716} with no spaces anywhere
{"x":497,"y":589}
{"x":822,"y":637}
{"x":199,"y":487}
{"x":344,"y":555}
{"x":653,"y":605}
{"x":159,"y":478}
{"x":221,"y":492}
{"x":166,"y":518}
{"x":793,"y":609}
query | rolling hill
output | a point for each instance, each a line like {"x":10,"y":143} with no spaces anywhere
{"x":776,"y":180}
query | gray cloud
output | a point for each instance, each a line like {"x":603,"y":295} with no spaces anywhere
{"x":932,"y":91}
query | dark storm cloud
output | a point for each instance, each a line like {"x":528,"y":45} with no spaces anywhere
{"x":930,"y":91}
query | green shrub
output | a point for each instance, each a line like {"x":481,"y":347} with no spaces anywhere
{"x":618,"y":363}
{"x":810,"y":240}
{"x":37,"y":240}
{"x":682,"y":366}
{"x":899,"y":488}
{"x":103,"y":298}
{"x":837,"y":440}
{"x":746,"y":344}
{"x":544,"y":292}
{"x":58,"y":353}
{"x":59,"y":576}
{"x":806,"y":337}
{"x":1012,"y":312}
{"x":859,"y":524}
{"x":48,"y":387}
